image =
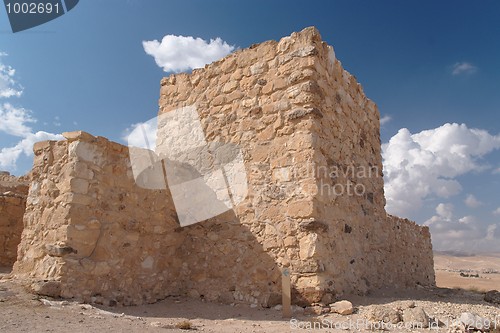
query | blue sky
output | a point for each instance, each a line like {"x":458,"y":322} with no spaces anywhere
{"x":425,"y":63}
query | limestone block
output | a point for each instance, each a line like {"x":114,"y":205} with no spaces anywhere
{"x":342,"y":307}
{"x":38,"y":147}
{"x":78,"y":135}
{"x":85,"y":151}
{"x":82,"y":171}
{"x":79,"y":199}
{"x":307,"y":246}
{"x":79,"y":186}
{"x":82,"y":239}
{"x":47,"y":288}
{"x":384,"y":314}
{"x":300,"y":209}
{"x":473,"y":321}
{"x":230,"y":86}
{"x":416,"y":317}
{"x":258,"y":68}
{"x":55,"y":250}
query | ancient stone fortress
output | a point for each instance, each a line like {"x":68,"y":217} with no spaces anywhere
{"x":314,"y":201}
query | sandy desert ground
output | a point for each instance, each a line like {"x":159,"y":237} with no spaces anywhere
{"x":23,"y":312}
{"x":448,"y":269}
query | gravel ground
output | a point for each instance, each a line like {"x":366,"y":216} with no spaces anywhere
{"x":23,"y":312}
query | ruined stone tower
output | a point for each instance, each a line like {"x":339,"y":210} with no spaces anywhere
{"x":311,"y":150}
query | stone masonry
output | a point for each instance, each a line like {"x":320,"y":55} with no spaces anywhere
{"x":13,"y":192}
{"x":315,"y":204}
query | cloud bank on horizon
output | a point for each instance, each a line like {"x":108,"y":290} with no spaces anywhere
{"x":15,"y":121}
{"x":465,"y":233}
{"x":427,"y":165}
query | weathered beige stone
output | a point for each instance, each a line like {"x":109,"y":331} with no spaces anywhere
{"x":230,"y":86}
{"x":416,"y":317}
{"x":294,"y":112}
{"x":385,"y":314}
{"x":307,"y":246}
{"x":42,"y":145}
{"x":13,"y":192}
{"x":77,"y":135}
{"x":79,"y":186}
{"x":342,"y":307}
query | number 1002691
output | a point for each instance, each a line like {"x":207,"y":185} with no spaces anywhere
{"x":32,"y":8}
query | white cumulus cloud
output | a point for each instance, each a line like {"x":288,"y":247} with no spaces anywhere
{"x":8,"y":85}
{"x":445,"y":211}
{"x":385,"y":119}
{"x":460,"y":68}
{"x":490,"y":232}
{"x":467,"y":219}
{"x":472,"y":202}
{"x":425,"y":164}
{"x":496,"y":211}
{"x":15,"y":121}
{"x":444,"y":214}
{"x":142,"y":135}
{"x":10,"y":155}
{"x":461,"y":234}
{"x":181,"y":53}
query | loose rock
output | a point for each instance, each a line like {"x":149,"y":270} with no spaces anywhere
{"x":492,"y":296}
{"x":342,"y":307}
{"x":416,"y":317}
{"x":474,"y":321}
{"x":385,"y":314}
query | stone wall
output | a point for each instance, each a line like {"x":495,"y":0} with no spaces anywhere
{"x":311,"y":145}
{"x":13,"y":193}
{"x":416,"y":266}
{"x":305,"y":131}
{"x":369,"y":248}
{"x":90,"y":232}
{"x":256,"y":99}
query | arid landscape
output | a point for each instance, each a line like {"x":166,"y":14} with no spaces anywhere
{"x":23,"y":312}
{"x":172,"y":166}
{"x":452,"y":271}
